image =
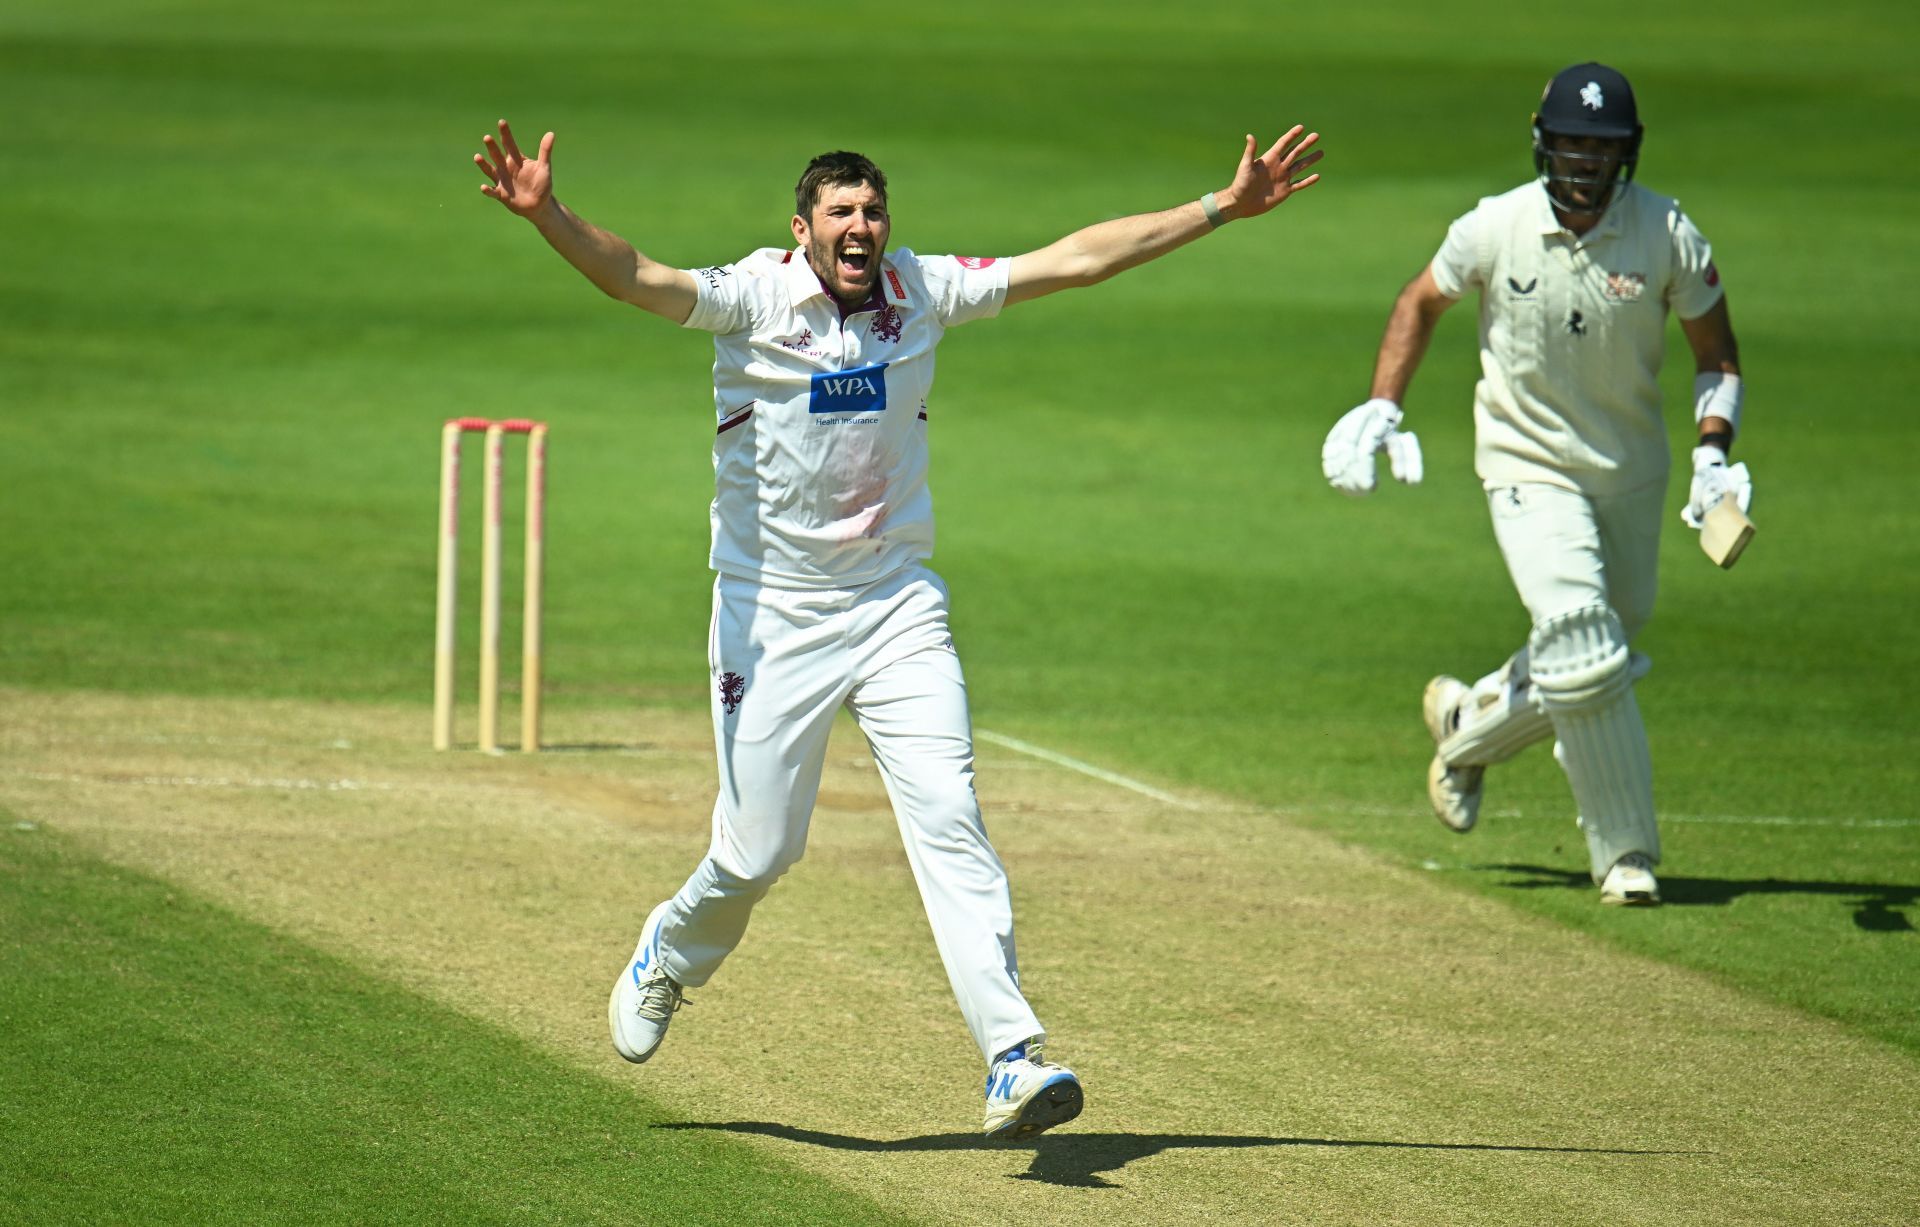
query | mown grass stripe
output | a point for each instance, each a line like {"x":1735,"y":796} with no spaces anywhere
{"x":162,"y":1060}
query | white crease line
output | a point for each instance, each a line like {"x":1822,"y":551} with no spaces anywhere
{"x":1087,"y":769}
{"x":1757,"y":821}
{"x":1753,"y":820}
{"x":205,"y":781}
{"x":999,"y":739}
{"x":1384,"y":811}
{"x":163,"y":739}
{"x":1380,"y":811}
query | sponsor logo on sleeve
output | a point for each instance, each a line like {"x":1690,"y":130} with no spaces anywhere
{"x":975,"y":261}
{"x":712,"y":276}
{"x":860,"y":390}
{"x":1713,"y":275}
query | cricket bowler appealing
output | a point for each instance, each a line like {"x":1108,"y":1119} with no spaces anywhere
{"x":822,"y":525}
{"x":1576,"y":272}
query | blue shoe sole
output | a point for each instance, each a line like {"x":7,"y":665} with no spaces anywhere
{"x":1056,"y":1103}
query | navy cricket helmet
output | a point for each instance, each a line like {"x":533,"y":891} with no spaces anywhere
{"x":1587,"y":100}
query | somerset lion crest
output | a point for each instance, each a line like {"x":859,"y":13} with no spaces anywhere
{"x":732,"y":686}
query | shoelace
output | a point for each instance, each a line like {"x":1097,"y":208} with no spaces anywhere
{"x":1032,"y":1056}
{"x":659,"y":999}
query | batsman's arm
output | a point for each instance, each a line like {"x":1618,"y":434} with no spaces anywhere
{"x":1095,"y":253}
{"x":525,"y":186}
{"x":1717,"y":383}
{"x":1373,"y":426}
{"x":1409,"y":328}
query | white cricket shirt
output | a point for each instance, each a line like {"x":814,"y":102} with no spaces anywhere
{"x":1572,"y":333}
{"x":820,"y":457}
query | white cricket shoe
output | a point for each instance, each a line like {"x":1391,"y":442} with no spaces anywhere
{"x":1454,"y":791}
{"x":1026,"y":1094}
{"x":1630,"y":883}
{"x":644,"y":997}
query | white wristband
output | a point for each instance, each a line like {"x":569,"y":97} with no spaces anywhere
{"x":1717,"y":395}
{"x":1211,"y":208}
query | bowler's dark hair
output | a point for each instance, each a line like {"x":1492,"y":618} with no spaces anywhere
{"x":837,"y":169}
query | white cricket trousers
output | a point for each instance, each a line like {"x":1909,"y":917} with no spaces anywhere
{"x":1569,"y":552}
{"x":1566,"y":550}
{"x":784,"y":661}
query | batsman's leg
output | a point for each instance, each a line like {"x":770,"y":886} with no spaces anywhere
{"x":1474,"y":727}
{"x":1568,"y":555}
{"x":1494,"y":719}
{"x":1582,"y":667}
{"x":1499,"y":715}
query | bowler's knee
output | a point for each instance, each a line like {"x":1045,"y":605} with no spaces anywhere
{"x":750,"y":878}
{"x":751,"y":869}
{"x":949,"y":816}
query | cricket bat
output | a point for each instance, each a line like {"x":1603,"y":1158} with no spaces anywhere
{"x":1725,"y":531}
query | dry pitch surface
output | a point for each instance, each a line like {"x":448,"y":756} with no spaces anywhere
{"x":1271,"y":1026}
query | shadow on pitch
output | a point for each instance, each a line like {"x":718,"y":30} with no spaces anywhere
{"x":1877,"y":908}
{"x":1076,"y":1160}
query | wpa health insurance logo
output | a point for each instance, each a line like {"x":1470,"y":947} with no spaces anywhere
{"x":860,"y":390}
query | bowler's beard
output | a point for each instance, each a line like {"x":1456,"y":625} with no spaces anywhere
{"x":826,"y":266}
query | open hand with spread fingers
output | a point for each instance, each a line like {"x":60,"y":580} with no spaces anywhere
{"x":1261,"y":183}
{"x":1347,"y":456}
{"x":521,"y":184}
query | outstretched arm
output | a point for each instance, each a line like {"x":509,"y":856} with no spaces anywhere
{"x":1096,"y":253}
{"x":525,"y":186}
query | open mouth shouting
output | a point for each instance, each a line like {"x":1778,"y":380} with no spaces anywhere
{"x":849,"y":267}
{"x":856,"y":262}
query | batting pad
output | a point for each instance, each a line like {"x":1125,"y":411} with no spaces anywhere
{"x":1610,"y":769}
{"x":1503,"y":715}
{"x":1579,"y":659}
{"x":1500,"y":717}
{"x":1584,"y":674}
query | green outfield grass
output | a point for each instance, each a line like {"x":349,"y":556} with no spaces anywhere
{"x":250,"y":272}
{"x":170,"y":1062}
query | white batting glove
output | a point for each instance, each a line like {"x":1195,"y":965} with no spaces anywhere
{"x":1713,"y":480}
{"x":1347,"y":456}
